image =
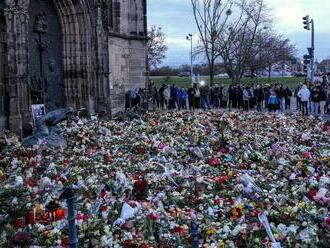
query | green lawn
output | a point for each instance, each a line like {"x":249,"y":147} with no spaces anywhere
{"x":292,"y":82}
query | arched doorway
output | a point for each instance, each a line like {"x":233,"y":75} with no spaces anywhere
{"x":45,"y":55}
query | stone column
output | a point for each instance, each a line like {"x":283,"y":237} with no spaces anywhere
{"x":17,"y":20}
{"x":103,"y":74}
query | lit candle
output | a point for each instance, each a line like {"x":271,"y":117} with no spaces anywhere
{"x":19,"y":223}
{"x":59,"y":214}
{"x":31,"y":216}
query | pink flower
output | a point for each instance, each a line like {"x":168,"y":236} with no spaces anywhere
{"x":306,"y":155}
{"x":153,"y":216}
{"x":213,"y":161}
{"x":161,"y":146}
{"x":223,"y":150}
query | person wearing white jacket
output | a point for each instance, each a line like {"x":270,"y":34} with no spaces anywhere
{"x":304,"y":94}
{"x":166,"y":96}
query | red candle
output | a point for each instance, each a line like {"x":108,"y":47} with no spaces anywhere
{"x":31,"y":216}
{"x":19,"y":223}
{"x":59,"y":214}
{"x":44,"y":218}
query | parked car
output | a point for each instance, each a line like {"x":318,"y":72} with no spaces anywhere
{"x":299,"y":74}
{"x":222,"y":75}
{"x":184,"y":74}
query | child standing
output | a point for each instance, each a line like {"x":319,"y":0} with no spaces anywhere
{"x":272,"y":102}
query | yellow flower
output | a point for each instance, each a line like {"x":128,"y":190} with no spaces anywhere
{"x":221,"y":244}
{"x":300,"y":164}
{"x":210,"y":232}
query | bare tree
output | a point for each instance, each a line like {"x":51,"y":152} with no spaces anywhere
{"x":238,"y":39}
{"x":227,"y":30}
{"x":156,"y":47}
{"x":210,"y":17}
{"x":277,"y":50}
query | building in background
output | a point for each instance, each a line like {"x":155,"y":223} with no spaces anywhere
{"x":324,"y":66}
{"x":69,"y":53}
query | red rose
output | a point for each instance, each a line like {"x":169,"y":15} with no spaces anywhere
{"x":103,"y":194}
{"x":179,"y":230}
{"x":65,"y":242}
{"x":103,"y":208}
{"x":327,"y":221}
{"x":140,"y":150}
{"x":213,"y":161}
{"x":31,"y":183}
{"x":217,"y":201}
{"x":223,"y":179}
{"x":34,"y":163}
{"x":153,"y":216}
{"x":107,"y":157}
{"x":306,"y":155}
{"x":311,"y":194}
{"x":19,"y":223}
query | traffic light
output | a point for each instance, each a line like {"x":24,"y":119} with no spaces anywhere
{"x":305,"y":68}
{"x":306,"y":62}
{"x":306,"y":56}
{"x":307,"y":22}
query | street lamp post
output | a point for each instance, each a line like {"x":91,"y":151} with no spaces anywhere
{"x":313,"y":53}
{"x":190,"y":37}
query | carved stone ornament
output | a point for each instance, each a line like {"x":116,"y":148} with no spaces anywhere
{"x":40,"y":23}
{"x":17,"y":5}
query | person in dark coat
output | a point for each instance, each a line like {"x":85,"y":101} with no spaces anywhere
{"x":191,"y":98}
{"x":259,"y":95}
{"x":197,"y":96}
{"x":239,"y":97}
{"x":231,"y":92}
{"x":205,"y":96}
{"x":216,"y":96}
{"x":287,"y":95}
{"x":161,"y":95}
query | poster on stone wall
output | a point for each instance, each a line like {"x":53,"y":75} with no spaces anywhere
{"x":38,"y":110}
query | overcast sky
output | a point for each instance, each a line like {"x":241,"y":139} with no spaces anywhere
{"x":176,"y":19}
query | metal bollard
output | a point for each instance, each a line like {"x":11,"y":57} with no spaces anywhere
{"x":68,"y":194}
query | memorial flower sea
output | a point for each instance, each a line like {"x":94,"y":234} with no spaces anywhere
{"x":172,"y":180}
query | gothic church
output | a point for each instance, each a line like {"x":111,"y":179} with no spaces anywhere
{"x":83,"y":54}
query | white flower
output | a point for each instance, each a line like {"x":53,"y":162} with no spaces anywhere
{"x":14,"y":201}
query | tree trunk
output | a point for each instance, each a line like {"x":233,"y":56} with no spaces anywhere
{"x":211,"y":67}
{"x":252,"y":73}
{"x":269,"y":72}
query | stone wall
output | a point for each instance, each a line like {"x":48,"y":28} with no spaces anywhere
{"x":119,"y":61}
{"x":127,"y":62}
{"x":137,"y":64}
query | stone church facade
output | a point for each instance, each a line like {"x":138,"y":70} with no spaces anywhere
{"x":83,"y":54}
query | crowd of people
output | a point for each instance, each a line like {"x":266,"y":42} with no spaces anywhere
{"x":310,"y":99}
